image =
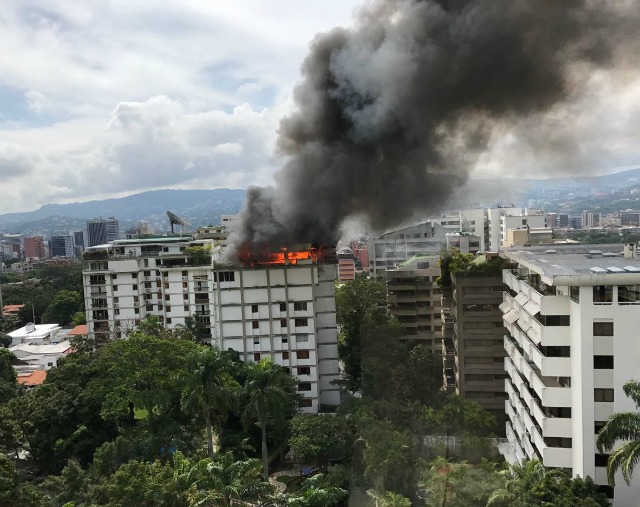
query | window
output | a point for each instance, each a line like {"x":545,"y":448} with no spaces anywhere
{"x":256,"y":357}
{"x":166,"y":285}
{"x":603,"y":329}
{"x":285,"y":354}
{"x":554,"y":320}
{"x":283,"y":307}
{"x":304,"y":370}
{"x":628,"y":294}
{"x":302,"y":354}
{"x":168,"y":320}
{"x":166,"y":297}
{"x":306,"y":402}
{"x":114,"y":276}
{"x":256,"y":340}
{"x":574,"y":293}
{"x":603,"y":395}
{"x":115,"y":288}
{"x":149,"y":308}
{"x":134,"y":276}
{"x":302,"y":322}
{"x":300,"y":306}
{"x":255,"y":324}
{"x":601,"y":460}
{"x":603,"y":362}
{"x":302,"y":338}
{"x":185,"y":285}
{"x":116,"y":311}
{"x":135,"y":287}
{"x":598,"y":425}
{"x":304,"y":386}
{"x":558,"y":442}
{"x":185,"y":273}
{"x":283,"y":322}
{"x":167,"y":308}
{"x":602,"y":294}
{"x":224,"y":276}
{"x":186,"y":308}
{"x":147,"y":273}
{"x":285,"y":339}
{"x":136,"y":310}
{"x":254,"y":308}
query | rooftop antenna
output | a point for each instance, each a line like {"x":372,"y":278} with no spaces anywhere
{"x":176,"y":220}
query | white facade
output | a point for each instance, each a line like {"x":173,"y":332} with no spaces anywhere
{"x":40,"y":357}
{"x":398,"y":245}
{"x":242,"y":308}
{"x":36,"y":334}
{"x":466,"y":221}
{"x":572,"y":316}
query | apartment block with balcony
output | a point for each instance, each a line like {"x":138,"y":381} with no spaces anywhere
{"x":283,"y":311}
{"x":477,"y":342}
{"x":415,"y":300}
{"x":571,"y":315}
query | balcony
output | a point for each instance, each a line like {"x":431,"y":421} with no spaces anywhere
{"x":447,"y":319}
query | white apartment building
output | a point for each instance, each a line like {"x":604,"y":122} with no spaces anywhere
{"x":283,"y":308}
{"x":503,"y":219}
{"x":572,"y":316}
{"x":465,"y":221}
{"x":395,"y":246}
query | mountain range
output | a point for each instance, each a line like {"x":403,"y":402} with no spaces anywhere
{"x":204,"y":207}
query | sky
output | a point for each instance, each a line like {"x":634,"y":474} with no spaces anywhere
{"x":113,"y":97}
{"x":110,"y":98}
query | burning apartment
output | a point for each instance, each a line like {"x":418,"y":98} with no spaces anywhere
{"x":279,"y":306}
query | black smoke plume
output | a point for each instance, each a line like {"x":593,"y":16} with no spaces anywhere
{"x":393,"y":112}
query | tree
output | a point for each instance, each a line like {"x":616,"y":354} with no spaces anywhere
{"x":623,"y":426}
{"x":209,"y":387}
{"x":65,"y":304}
{"x":8,"y":377}
{"x":78,"y":319}
{"x":389,"y":499}
{"x":315,"y":493}
{"x":531,"y":485}
{"x":266,"y":395}
{"x":218,"y":482}
{"x":459,"y":484}
{"x":316,"y":438}
{"x":356,"y":302}
{"x":193,"y":329}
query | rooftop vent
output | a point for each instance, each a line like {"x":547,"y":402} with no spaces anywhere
{"x":598,"y":270}
{"x":632,"y":269}
{"x":550,"y":251}
{"x":595,"y":252}
{"x":614,"y":269}
{"x":610,"y":254}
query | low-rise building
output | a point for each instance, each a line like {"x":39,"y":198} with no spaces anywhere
{"x":36,"y":334}
{"x":39,"y":357}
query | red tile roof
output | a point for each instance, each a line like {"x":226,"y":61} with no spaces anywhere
{"x":11,"y":309}
{"x":34,"y":378}
{"x":81,"y":330}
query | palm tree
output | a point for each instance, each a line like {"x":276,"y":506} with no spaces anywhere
{"x":518,"y":480}
{"x":210,"y":388}
{"x":266,"y":397}
{"x":622,"y":426}
{"x":218,"y":482}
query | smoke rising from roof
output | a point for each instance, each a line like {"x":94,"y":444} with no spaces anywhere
{"x":393,"y":113}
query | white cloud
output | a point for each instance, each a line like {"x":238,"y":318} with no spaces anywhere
{"x":128,"y":95}
{"x":36,"y":101}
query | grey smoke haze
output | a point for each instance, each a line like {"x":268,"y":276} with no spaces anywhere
{"x":392,"y":113}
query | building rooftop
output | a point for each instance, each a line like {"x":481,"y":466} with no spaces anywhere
{"x":585,"y":264}
{"x":34,"y":378}
{"x":81,"y":330}
{"x":31,"y":330}
{"x":54,"y":348}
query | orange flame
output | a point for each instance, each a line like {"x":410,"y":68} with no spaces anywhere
{"x":251,"y":257}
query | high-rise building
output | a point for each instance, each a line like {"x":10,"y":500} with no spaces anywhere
{"x":474,"y":347}
{"x":34,"y":248}
{"x":414,"y":299}
{"x":571,"y":315}
{"x":283,"y":309}
{"x":61,"y":246}
{"x":10,"y":246}
{"x":102,"y":231}
{"x":590,"y":219}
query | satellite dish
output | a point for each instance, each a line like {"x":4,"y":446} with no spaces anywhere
{"x":176,"y":220}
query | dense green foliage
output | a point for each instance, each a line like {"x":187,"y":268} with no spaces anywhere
{"x":357,"y":303}
{"x":625,"y":427}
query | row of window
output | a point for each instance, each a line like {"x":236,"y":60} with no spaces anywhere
{"x":300,"y":322}
{"x":300,"y":338}
{"x":603,"y":294}
{"x":298,"y":306}
{"x":299,"y":354}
